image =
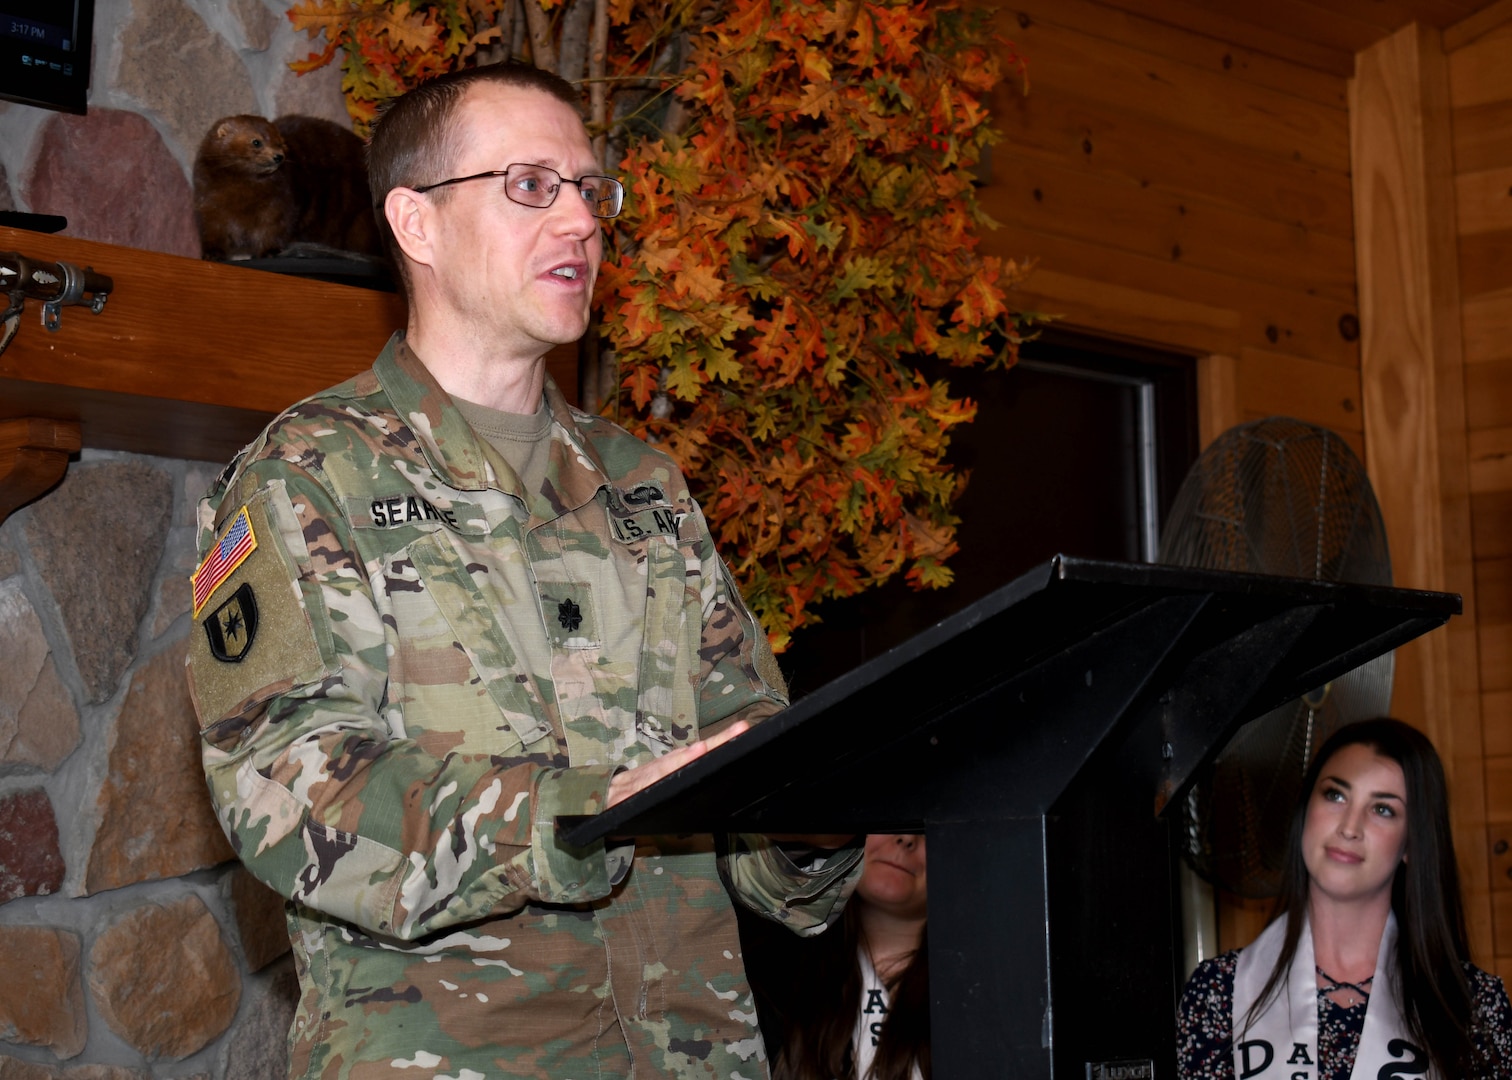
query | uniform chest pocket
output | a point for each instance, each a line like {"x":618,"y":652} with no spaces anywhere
{"x":623,"y":657}
{"x":460,"y":664}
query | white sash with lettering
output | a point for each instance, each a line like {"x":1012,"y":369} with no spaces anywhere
{"x":875,"y":1003}
{"x":1282,"y":1043}
{"x":873,"y":1012}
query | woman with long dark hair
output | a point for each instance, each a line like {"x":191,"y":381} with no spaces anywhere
{"x":1365,"y":970}
{"x":853,"y":1002}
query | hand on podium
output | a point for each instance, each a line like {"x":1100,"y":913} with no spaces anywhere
{"x":627,"y":783}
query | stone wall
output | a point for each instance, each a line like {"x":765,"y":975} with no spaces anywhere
{"x":163,"y":72}
{"x":131,"y":943}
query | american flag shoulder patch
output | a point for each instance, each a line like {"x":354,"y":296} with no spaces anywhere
{"x":229,"y":552}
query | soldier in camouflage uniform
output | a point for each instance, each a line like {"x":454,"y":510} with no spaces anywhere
{"x":437,"y":608}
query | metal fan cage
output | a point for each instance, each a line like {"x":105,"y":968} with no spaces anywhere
{"x":1275,"y":496}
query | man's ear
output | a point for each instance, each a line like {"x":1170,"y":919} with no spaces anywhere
{"x":409,"y":216}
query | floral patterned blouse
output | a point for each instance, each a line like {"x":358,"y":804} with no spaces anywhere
{"x":1204,"y":1036}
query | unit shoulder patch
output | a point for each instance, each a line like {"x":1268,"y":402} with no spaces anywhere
{"x":232,"y":626}
{"x":254,"y":635}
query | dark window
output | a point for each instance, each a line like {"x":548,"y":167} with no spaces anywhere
{"x":1078,"y":450}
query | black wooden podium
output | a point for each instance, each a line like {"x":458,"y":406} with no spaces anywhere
{"x":1036,"y":737}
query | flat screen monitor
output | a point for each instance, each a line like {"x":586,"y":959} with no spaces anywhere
{"x":45,"y":52}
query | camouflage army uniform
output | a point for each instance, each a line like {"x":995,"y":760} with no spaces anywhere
{"x":420,"y":665}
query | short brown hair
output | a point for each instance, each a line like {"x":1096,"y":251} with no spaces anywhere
{"x":414,"y":137}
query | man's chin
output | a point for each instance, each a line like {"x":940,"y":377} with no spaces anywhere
{"x":564,"y":331}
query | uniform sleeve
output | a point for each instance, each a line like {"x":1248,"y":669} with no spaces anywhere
{"x":322,"y":795}
{"x":740,"y":679}
{"x":738,"y":675}
{"x":1204,"y":1024}
{"x":801,"y":889}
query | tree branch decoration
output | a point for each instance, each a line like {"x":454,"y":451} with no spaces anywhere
{"x":796,"y":267}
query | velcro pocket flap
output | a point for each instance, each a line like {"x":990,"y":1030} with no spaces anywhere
{"x":475,"y":623}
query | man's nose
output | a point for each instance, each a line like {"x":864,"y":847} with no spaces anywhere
{"x":575,"y":212}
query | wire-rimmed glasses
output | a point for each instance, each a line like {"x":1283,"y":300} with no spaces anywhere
{"x":537,"y":186}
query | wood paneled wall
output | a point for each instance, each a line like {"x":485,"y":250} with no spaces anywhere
{"x":1185,"y":192}
{"x":1180,"y":189}
{"x":1189,"y":193}
{"x":1480,"y":96}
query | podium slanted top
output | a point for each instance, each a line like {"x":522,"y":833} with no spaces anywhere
{"x":992,"y":711}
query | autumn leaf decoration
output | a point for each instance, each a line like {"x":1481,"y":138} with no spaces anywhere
{"x":390,"y":45}
{"x":796,"y":267}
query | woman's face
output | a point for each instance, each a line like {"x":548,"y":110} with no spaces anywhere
{"x":1355,"y":832}
{"x":892,"y":878}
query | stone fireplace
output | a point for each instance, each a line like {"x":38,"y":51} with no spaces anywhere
{"x":132,"y":944}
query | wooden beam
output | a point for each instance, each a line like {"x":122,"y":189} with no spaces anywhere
{"x":33,"y":457}
{"x":1412,"y":382}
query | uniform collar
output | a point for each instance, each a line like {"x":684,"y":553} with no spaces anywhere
{"x":456,"y":452}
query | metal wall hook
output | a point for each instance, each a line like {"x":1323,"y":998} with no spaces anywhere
{"x":56,"y":284}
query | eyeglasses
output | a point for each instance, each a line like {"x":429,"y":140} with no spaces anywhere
{"x":537,"y":186}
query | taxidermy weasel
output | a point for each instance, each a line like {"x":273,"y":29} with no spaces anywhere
{"x":262,"y":186}
{"x":243,"y":203}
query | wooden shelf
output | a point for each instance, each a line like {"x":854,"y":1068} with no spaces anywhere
{"x":188,"y":358}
